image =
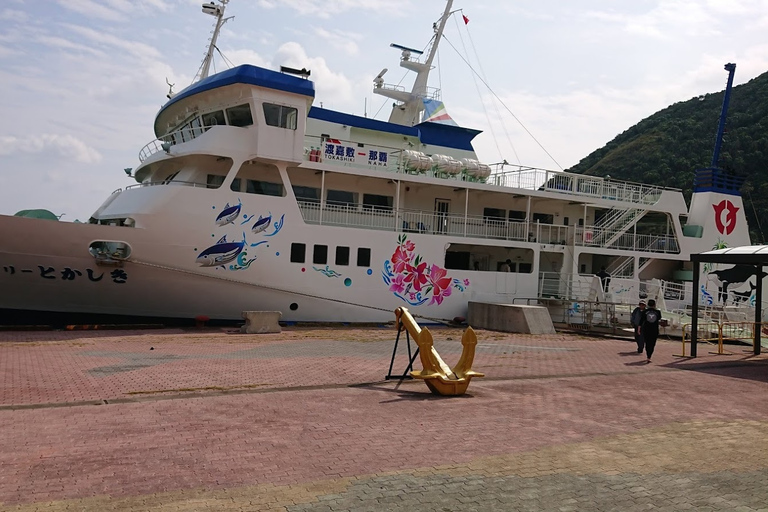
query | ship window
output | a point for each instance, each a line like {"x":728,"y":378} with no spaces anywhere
{"x":264,"y":188}
{"x":308,"y":194}
{"x":524,"y":268}
{"x":196,"y":127}
{"x":341,"y":198}
{"x":214,"y":118}
{"x":342,"y":255}
{"x":494,"y":214}
{"x":280,"y":116}
{"x":516,"y":215}
{"x":214,"y":181}
{"x":376,"y":202}
{"x":458,"y":260}
{"x":235,"y":185}
{"x":170,"y":178}
{"x":240,"y":115}
{"x":543,"y":218}
{"x":363,"y":257}
{"x":298,"y":252}
{"x":185,"y":133}
{"x":320,"y":255}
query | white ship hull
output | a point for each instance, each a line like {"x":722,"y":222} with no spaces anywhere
{"x":50,"y":269}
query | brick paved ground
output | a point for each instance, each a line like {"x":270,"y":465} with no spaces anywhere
{"x":303,"y":421}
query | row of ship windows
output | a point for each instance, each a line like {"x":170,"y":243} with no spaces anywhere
{"x":240,"y":115}
{"x":307,"y":194}
{"x":265,"y":188}
{"x":320,"y":255}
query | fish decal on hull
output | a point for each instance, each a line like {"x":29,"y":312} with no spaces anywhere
{"x":262,"y":223}
{"x":228,"y":215}
{"x":220,"y":253}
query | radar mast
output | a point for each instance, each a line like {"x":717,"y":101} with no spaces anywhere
{"x":218,"y":11}
{"x":411,"y":104}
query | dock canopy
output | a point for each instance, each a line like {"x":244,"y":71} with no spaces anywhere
{"x":751,"y":255}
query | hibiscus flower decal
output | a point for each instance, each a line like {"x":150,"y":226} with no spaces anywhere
{"x":416,"y":282}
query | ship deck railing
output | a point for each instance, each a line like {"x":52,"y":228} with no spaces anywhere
{"x":171,"y":139}
{"x":429,"y":222}
{"x":470,"y":226}
{"x":593,"y":236}
{"x":508,"y":176}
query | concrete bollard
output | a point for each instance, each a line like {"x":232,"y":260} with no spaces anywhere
{"x":261,"y":322}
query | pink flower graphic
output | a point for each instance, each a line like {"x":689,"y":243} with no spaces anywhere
{"x":441,"y":285}
{"x":401,"y":260}
{"x":414,"y":281}
{"x":417,"y":276}
{"x":398,"y":286}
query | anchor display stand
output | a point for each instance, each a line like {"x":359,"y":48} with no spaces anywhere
{"x":411,"y":357}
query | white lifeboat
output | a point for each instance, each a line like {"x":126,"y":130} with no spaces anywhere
{"x":416,"y":161}
{"x":446,"y":164}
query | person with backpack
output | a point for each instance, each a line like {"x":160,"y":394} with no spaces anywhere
{"x":635,"y":320}
{"x":649,"y":327}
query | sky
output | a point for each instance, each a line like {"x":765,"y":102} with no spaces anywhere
{"x":548,"y":82}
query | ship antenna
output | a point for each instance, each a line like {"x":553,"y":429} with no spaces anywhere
{"x":408,"y":111}
{"x":170,"y":94}
{"x":217,"y":11}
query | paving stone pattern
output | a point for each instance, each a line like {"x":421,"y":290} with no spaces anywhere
{"x":175,"y":420}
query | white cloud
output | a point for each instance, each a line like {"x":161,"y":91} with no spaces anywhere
{"x":238,"y":57}
{"x":135,"y":48}
{"x":345,"y":41}
{"x":13,"y":15}
{"x":65,"y":44}
{"x":116,"y":10}
{"x":63,"y":145}
{"x":92,"y":9}
{"x":332,"y":88}
{"x":325,"y":10}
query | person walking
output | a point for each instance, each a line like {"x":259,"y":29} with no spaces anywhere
{"x":649,"y":327}
{"x":635,"y":320}
{"x":605,"y":278}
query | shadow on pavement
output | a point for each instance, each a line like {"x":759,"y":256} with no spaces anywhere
{"x":735,"y":366}
{"x":408,"y":395}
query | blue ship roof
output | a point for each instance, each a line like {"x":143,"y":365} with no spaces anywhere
{"x":436,"y":134}
{"x":247,"y":74}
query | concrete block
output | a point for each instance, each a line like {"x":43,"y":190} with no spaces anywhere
{"x":261,"y":322}
{"x":510,"y":318}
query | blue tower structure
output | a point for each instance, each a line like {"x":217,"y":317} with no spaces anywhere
{"x":731,"y":68}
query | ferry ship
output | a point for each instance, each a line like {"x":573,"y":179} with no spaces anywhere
{"x":253,"y":198}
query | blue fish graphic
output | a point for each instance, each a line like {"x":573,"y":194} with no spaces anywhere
{"x":228,"y":215}
{"x":262,"y":224}
{"x":221,"y":253}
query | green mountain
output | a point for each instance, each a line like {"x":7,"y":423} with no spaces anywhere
{"x":668,"y":146}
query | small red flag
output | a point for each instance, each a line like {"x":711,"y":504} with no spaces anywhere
{"x":466,"y":20}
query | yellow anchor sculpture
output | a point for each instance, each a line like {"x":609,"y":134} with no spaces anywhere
{"x":437,"y":375}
